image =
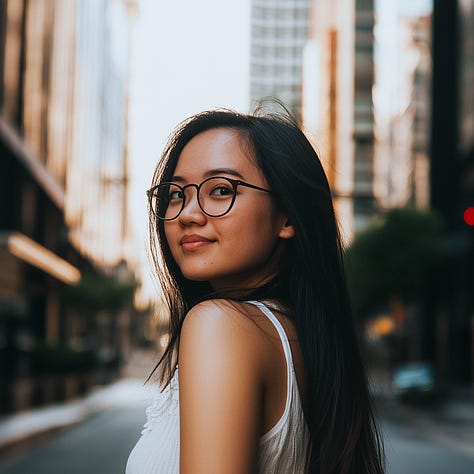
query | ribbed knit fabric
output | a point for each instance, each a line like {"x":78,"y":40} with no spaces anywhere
{"x":157,"y":450}
{"x":282,"y":450}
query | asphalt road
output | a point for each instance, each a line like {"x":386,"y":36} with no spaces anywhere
{"x":411,"y":451}
{"x":101,"y":445}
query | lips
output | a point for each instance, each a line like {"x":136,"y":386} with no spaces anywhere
{"x":194,"y":242}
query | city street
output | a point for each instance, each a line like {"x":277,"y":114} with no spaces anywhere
{"x":358,"y":123}
{"x":101,"y":443}
{"x":410,"y":450}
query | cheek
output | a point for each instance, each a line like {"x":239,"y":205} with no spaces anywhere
{"x":256,"y":234}
{"x":170,"y":235}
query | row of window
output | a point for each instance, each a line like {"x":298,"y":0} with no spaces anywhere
{"x":263,"y":72}
{"x":276,"y":31}
{"x":269,"y":7}
{"x":289,"y":93}
{"x":271,"y":60}
{"x":276,"y":51}
{"x":287,"y":21}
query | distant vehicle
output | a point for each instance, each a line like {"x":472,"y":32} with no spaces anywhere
{"x":415,"y":380}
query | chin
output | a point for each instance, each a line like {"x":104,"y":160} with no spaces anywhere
{"x":195,"y":278}
{"x":196,"y":275}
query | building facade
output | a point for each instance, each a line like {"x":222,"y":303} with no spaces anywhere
{"x":367,"y":70}
{"x":63,"y":177}
{"x":402,"y":107}
{"x":388,"y":103}
{"x":328,"y":99}
{"x":450,"y":302}
{"x":279,"y":30}
{"x":338,"y":111}
{"x":364,"y":137}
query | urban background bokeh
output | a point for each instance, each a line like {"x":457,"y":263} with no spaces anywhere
{"x":384,"y":90}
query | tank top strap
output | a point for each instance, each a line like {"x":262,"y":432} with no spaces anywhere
{"x":281,"y":332}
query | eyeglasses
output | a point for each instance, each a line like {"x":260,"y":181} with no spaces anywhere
{"x":215,"y":197}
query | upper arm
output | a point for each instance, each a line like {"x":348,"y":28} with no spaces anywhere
{"x":220,"y":392}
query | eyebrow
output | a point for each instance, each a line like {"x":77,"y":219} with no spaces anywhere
{"x":213,"y":172}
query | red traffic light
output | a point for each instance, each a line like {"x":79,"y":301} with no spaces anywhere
{"x":469,"y":216}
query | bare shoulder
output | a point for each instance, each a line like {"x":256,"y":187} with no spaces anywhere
{"x":221,"y":333}
{"x":218,"y":307}
{"x":220,"y":318}
{"x":220,"y":389}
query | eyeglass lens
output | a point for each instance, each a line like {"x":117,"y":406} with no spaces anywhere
{"x":215,"y":197}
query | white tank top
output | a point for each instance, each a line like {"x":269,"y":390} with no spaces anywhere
{"x":282,"y":450}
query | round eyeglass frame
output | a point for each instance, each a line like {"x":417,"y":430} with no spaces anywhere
{"x":234,"y":182}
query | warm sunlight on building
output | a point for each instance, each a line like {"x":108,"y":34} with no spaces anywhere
{"x":68,"y":261}
{"x":328,"y":99}
{"x":401,"y":96}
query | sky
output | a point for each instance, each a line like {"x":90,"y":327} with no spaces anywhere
{"x":187,"y":56}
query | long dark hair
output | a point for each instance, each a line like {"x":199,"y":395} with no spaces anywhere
{"x":311,"y":286}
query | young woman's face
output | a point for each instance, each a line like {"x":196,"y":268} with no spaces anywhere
{"x":243,"y":247}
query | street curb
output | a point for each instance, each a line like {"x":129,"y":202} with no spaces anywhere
{"x":17,"y":428}
{"x":24,"y":426}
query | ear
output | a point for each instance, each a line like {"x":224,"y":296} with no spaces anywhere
{"x":287,"y":231}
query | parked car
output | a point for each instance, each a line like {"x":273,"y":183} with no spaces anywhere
{"x":414,"y":381}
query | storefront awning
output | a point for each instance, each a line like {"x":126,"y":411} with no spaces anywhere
{"x":35,"y":254}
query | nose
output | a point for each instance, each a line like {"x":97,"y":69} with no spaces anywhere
{"x":192,"y":212}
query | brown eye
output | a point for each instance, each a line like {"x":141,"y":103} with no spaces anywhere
{"x":222,"y":191}
{"x":175,"y":194}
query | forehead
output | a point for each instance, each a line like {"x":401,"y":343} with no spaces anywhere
{"x":218,"y":148}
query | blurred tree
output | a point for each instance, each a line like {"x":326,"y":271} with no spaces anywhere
{"x":56,"y":358}
{"x":388,"y":262}
{"x":96,"y":292}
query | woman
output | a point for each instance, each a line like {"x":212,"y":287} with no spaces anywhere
{"x":246,"y":245}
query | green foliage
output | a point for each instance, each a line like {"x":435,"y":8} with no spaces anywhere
{"x":96,"y":292}
{"x":392,"y":257}
{"x":54,"y":359}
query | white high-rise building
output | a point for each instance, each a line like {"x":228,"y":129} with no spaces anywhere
{"x":279,"y":30}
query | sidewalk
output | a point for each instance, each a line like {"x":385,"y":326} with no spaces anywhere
{"x":129,"y":390}
{"x":20,"y":427}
